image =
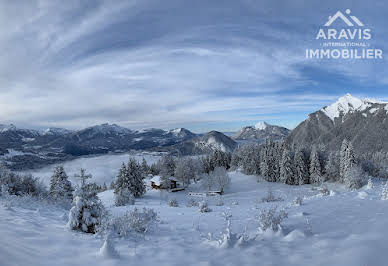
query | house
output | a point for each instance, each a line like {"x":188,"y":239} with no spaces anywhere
{"x":156,"y":183}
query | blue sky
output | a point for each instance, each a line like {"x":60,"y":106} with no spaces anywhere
{"x":198,"y":64}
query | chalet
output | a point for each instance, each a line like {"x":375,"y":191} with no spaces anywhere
{"x":156,"y":183}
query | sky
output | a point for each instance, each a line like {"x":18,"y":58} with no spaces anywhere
{"x":202,"y":65}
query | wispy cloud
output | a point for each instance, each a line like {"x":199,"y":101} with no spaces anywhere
{"x":167,"y":64}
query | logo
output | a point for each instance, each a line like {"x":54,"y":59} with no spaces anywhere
{"x":344,"y":37}
{"x":344,"y":18}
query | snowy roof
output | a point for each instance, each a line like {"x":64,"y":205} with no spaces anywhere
{"x":156,"y":180}
{"x":171,"y":178}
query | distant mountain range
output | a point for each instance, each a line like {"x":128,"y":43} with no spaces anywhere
{"x":24,"y":148}
{"x":362,"y":121}
{"x":260,"y":132}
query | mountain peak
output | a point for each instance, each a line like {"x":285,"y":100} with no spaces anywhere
{"x":261,"y":125}
{"x":344,"y":105}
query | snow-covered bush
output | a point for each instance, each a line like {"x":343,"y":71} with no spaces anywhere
{"x":354,"y":178}
{"x":173,"y":203}
{"x":192,"y":202}
{"x":370,"y":184}
{"x":203,"y":207}
{"x":298,"y":201}
{"x":270,"y":197}
{"x":87,"y":211}
{"x":21,"y":185}
{"x":324,"y":190}
{"x":271,"y":219}
{"x":384,"y":192}
{"x":134,"y":221}
{"x":229,"y":239}
{"x":124,"y":197}
{"x":219,"y":201}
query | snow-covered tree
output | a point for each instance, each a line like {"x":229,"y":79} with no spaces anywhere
{"x":301,"y":169}
{"x":124,"y":197}
{"x":83,"y":176}
{"x":87,"y":211}
{"x":221,"y":178}
{"x":60,"y":186}
{"x":207,"y":181}
{"x":384,"y":192}
{"x":332,"y":167}
{"x":166,"y":166}
{"x":354,"y":177}
{"x":287,"y":173}
{"x":144,"y":167}
{"x":315,"y":167}
{"x":185,"y":170}
{"x":347,"y":158}
{"x":129,"y":182}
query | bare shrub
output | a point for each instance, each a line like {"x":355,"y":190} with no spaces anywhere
{"x":298,"y":201}
{"x":203,"y":207}
{"x":134,"y":221}
{"x":173,"y":203}
{"x":271,"y":197}
{"x":271,"y":219}
{"x":192,"y":202}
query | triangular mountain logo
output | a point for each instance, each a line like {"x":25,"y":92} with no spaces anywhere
{"x":350,"y":22}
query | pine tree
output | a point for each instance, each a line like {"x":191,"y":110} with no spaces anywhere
{"x":315,"y":167}
{"x":129,"y":181}
{"x":301,"y":169}
{"x":347,"y":158}
{"x":145,"y":168}
{"x":60,"y":186}
{"x":135,"y":171}
{"x":87,"y":211}
{"x":332,"y":167}
{"x":287,"y":175}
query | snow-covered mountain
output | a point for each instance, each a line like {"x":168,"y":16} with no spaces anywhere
{"x":349,"y":104}
{"x":35,"y":147}
{"x":56,"y":131}
{"x":206,"y":143}
{"x":260,"y":132}
{"x":363,"y":121}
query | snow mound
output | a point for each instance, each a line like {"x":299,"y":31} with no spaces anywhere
{"x":294,"y":235}
{"x":362,"y":195}
{"x":108,"y":251}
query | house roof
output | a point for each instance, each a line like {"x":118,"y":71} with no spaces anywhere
{"x":156,"y":180}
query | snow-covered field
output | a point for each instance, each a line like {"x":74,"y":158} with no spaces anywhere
{"x":343,"y":228}
{"x":104,"y":168}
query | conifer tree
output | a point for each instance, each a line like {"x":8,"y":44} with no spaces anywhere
{"x":87,"y":211}
{"x":301,"y":169}
{"x":60,"y":186}
{"x":347,"y":158}
{"x":315,"y":167}
{"x":287,"y":174}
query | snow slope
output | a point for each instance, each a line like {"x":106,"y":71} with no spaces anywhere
{"x":347,"y":228}
{"x":104,"y":168}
